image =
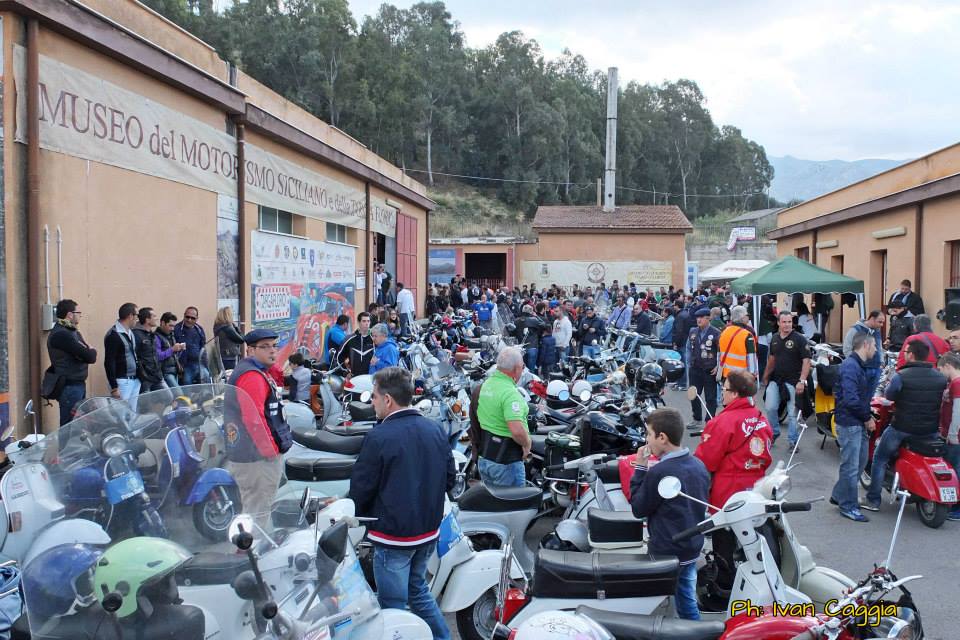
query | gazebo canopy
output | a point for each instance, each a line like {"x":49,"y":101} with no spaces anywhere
{"x":793,"y":275}
{"x":732,"y":269}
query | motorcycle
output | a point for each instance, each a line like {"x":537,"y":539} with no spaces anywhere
{"x":923,"y":472}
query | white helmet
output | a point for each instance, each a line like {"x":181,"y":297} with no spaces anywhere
{"x":558,"y":625}
{"x":574,"y":532}
{"x":580,"y":386}
{"x":554,"y":389}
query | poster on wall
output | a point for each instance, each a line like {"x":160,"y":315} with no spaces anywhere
{"x":228,"y":250}
{"x":645,"y":273}
{"x":298,"y":288}
{"x":441,"y":265}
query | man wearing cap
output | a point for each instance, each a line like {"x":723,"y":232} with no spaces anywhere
{"x":256,"y":431}
{"x":901,"y":325}
{"x":704,"y":342}
{"x":590,"y":332}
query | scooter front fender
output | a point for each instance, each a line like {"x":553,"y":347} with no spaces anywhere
{"x":208,"y":480}
{"x":918,"y":475}
{"x":470,"y":580}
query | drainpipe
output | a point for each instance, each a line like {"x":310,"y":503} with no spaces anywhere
{"x":241,"y":225}
{"x":917,"y":247}
{"x":33,"y":209}
{"x":368,"y":243}
{"x":813,"y":251}
{"x":426,"y":273}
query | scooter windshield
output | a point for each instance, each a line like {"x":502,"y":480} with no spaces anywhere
{"x":145,"y":494}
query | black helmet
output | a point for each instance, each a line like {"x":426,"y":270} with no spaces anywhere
{"x":651,"y":378}
{"x":632,"y":368}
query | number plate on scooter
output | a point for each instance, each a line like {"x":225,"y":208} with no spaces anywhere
{"x":948,"y":494}
{"x":124,"y":487}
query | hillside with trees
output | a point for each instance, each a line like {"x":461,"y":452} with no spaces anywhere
{"x":405,"y":84}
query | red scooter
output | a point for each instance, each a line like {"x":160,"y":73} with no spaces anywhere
{"x":930,"y":480}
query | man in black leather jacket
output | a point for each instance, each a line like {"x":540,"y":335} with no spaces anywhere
{"x":918,"y":390}
{"x":529,"y":328}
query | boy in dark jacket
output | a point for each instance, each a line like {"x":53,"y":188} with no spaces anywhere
{"x":401,"y":475}
{"x":666,"y":518}
{"x":548,"y":356}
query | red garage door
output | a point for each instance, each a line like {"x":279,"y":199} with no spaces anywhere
{"x":407,"y":252}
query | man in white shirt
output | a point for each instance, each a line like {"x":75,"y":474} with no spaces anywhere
{"x":562,"y":332}
{"x":379,"y":276}
{"x":405,"y":307}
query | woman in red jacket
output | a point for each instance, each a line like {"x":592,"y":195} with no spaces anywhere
{"x":735,"y":448}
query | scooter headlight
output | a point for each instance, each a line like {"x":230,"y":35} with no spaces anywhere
{"x":114,"y":445}
{"x":902,"y":627}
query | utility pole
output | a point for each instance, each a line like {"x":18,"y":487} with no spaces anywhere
{"x":610,"y":172}
{"x":599,"y":192}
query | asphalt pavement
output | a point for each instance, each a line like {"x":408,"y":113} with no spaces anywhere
{"x":853,"y":548}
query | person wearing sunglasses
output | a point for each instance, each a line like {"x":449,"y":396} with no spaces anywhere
{"x":194,"y":357}
{"x":70,"y":358}
{"x":735,"y":448}
{"x":256,"y":432}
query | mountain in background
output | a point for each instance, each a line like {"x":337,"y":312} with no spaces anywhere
{"x":796,"y":179}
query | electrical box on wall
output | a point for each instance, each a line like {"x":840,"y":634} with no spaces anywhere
{"x":48,"y":316}
{"x":951,"y":308}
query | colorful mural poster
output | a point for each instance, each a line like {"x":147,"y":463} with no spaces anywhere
{"x":299,"y":287}
{"x":441,"y":265}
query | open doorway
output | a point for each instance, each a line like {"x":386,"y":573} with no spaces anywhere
{"x":486,"y":269}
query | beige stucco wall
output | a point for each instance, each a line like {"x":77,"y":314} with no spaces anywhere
{"x":939,"y":164}
{"x":667,"y":247}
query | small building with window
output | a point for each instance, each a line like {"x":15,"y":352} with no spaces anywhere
{"x":899,"y":224}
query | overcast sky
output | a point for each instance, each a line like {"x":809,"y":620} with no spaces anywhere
{"x":817,"y":80}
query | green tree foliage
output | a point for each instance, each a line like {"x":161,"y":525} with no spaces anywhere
{"x":404,"y":83}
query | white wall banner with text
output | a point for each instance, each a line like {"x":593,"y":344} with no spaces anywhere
{"x":645,"y":273}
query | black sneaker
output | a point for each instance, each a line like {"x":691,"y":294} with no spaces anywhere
{"x":834,"y":502}
{"x":870,"y":506}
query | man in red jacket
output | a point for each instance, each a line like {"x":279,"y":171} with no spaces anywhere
{"x":924,"y":333}
{"x":735,"y":448}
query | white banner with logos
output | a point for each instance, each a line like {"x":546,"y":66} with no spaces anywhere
{"x":645,"y":273}
{"x":85,"y":116}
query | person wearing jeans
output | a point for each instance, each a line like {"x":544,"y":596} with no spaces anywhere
{"x":120,"y":356}
{"x":405,"y":451}
{"x":502,"y":416}
{"x":70,"y":357}
{"x":852,"y":394}
{"x":949,"y":365}
{"x":918,"y":391}
{"x":666,"y":518}
{"x":788,"y":366}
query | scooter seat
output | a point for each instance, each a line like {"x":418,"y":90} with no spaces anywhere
{"x":482,"y":498}
{"x":557,"y":415}
{"x":572,"y":574}
{"x":931,"y":446}
{"x":635,"y":626}
{"x":546,"y":429}
{"x":472,"y":343}
{"x":319,"y":469}
{"x":323,"y":440}
{"x":361,"y":411}
{"x":183,"y":622}
{"x":538,"y":444}
{"x":614,"y":526}
{"x":211,"y":568}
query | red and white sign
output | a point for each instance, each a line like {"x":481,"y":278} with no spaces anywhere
{"x":273,"y":303}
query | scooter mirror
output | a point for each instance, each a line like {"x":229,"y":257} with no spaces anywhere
{"x":563,"y":396}
{"x":6,"y":433}
{"x":584,"y":396}
{"x":242,"y":523}
{"x":669,"y":487}
{"x":365,"y":396}
{"x":28,"y":409}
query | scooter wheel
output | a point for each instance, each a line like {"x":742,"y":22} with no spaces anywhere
{"x":211,"y":518}
{"x":477,"y":621}
{"x":932,"y":514}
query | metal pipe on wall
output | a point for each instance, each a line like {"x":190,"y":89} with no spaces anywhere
{"x":59,"y":264}
{"x":368,"y":243}
{"x":46,"y":261}
{"x":241,"y":226}
{"x":33,"y":208}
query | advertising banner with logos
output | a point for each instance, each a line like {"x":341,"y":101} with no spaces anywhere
{"x":645,"y":273}
{"x":85,"y":116}
{"x":299,"y":287}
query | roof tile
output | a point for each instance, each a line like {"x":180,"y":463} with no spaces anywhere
{"x":634,"y":217}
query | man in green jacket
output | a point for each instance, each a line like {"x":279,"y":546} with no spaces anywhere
{"x":502,"y":413}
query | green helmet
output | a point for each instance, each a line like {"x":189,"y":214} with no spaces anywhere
{"x":129,"y":566}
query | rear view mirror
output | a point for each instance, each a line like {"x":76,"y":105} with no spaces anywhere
{"x":28,"y":409}
{"x":240,"y":531}
{"x":563,"y":396}
{"x":6,"y":433}
{"x":585,"y":396}
{"x":669,"y":487}
{"x":333,"y":542}
{"x":365,"y":396}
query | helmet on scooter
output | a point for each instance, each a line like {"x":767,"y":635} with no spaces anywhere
{"x":132,"y":568}
{"x":574,"y":532}
{"x":59,"y":577}
{"x":632,"y":368}
{"x":579,"y":387}
{"x":557,"y":390}
{"x":557,"y":625}
{"x":651,"y":378}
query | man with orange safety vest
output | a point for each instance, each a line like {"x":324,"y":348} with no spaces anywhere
{"x":738,"y":344}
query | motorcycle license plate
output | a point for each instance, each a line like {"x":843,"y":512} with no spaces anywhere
{"x":124,"y":487}
{"x":948,"y":494}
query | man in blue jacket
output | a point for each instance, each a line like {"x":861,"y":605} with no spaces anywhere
{"x":666,"y":518}
{"x":852,"y":394}
{"x":336,"y":336}
{"x":404,"y":468}
{"x":386,"y":353}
